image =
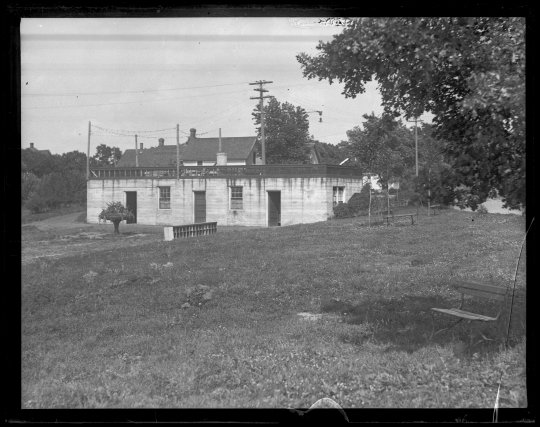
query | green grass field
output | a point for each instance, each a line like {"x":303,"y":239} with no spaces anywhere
{"x":106,"y":329}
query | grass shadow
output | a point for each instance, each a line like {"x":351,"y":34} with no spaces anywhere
{"x":406,"y":324}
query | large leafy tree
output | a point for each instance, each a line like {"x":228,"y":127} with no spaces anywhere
{"x":468,"y":72}
{"x":286,"y":130}
{"x":106,"y":156}
{"x":383,"y":147}
{"x":39,"y":163}
{"x":75,"y":161}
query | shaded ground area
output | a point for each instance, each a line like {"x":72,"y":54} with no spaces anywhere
{"x":406,"y":323}
{"x":63,"y":236}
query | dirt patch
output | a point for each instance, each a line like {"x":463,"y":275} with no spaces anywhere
{"x":63,"y":236}
{"x":75,"y":244}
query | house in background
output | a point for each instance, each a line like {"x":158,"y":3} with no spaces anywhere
{"x":239,"y":150}
{"x":32,"y":148}
{"x":162,"y":155}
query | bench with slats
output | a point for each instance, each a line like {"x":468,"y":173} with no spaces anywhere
{"x":397,"y":216}
{"x":472,"y":290}
{"x":435,"y":208}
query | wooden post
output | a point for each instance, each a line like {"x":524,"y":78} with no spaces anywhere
{"x":369,"y":209}
{"x":88,"y":155}
{"x":136,"y":153}
{"x":429,"y":194}
{"x":262,"y":133}
{"x":177,"y":153}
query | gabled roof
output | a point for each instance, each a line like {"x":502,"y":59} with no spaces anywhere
{"x":314,"y":153}
{"x":40,"y":151}
{"x":148,"y":157}
{"x":237,"y":148}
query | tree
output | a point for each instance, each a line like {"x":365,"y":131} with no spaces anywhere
{"x":381,"y":148}
{"x":38,"y":163}
{"x":286,"y":130}
{"x":57,"y":189}
{"x":106,"y":156}
{"x":468,"y":72}
{"x":116,"y":213}
{"x":74,"y":161}
{"x":330,"y":154}
{"x":29,"y":183}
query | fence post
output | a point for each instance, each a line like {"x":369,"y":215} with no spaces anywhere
{"x":168,"y":231}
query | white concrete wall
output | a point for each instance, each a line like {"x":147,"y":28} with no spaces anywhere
{"x":303,"y":200}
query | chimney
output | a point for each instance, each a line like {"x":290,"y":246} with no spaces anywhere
{"x":161,"y":142}
{"x":193,"y":132}
{"x":31,"y":145}
{"x":221,"y":157}
{"x":141,"y":146}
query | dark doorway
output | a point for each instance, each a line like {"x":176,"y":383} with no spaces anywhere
{"x":200,"y":206}
{"x":274,"y":208}
{"x":131,"y":205}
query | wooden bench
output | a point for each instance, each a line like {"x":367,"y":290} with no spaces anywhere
{"x":472,"y":290}
{"x":436,"y":208}
{"x":397,"y":216}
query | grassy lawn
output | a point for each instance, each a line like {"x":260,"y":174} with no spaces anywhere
{"x":107,"y":329}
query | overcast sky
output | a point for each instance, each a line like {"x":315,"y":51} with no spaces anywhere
{"x":147,"y":75}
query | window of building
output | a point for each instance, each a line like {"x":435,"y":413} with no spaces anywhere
{"x":254,"y":158}
{"x":199,"y":162}
{"x":164,"y":197}
{"x":237,"y":198}
{"x":338,"y":195}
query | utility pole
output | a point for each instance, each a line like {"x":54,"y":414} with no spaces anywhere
{"x":261,"y":106}
{"x":136,"y":153}
{"x":177,"y":151}
{"x":416,"y":146}
{"x":88,"y":155}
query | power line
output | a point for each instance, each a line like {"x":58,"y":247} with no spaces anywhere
{"x":130,"y":102}
{"x":134,"y":131}
{"x":217,"y":114}
{"x":128,"y":91}
{"x":149,"y":100}
{"x":148,"y":90}
{"x":296,"y":99}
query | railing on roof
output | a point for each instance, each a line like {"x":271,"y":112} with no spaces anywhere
{"x":187,"y":172}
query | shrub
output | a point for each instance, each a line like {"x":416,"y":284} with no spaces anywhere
{"x":482,"y":210}
{"x":56,"y":189}
{"x":344,"y":210}
{"x":360,"y":200}
{"x":37,"y":203}
{"x":29,"y":182}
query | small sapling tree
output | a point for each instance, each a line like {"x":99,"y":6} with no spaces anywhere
{"x":116,"y":213}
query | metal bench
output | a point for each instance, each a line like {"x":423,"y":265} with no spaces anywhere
{"x":473,"y":290}
{"x":397,"y":216}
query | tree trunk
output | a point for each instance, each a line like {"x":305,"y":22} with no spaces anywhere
{"x":369,"y":209}
{"x":116,"y":223}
